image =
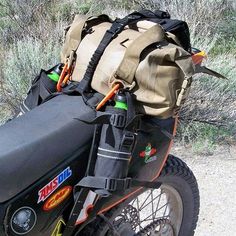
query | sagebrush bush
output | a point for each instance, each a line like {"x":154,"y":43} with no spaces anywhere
{"x":211,"y":103}
{"x":21,"y":64}
{"x":35,"y":18}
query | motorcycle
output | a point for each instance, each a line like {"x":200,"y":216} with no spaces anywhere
{"x":46,"y":154}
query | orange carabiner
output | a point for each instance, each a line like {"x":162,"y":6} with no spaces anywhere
{"x":108,"y":96}
{"x":67,"y":77}
{"x":65,"y":80}
{"x":62,"y":76}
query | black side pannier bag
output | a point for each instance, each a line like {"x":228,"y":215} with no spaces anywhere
{"x":112,"y":151}
{"x":42,"y":87}
{"x":127,"y":150}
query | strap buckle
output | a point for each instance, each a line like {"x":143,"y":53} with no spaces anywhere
{"x":128,"y":140}
{"x":117,"y":184}
{"x":118,"y":120}
{"x":184,"y":90}
{"x":116,"y":28}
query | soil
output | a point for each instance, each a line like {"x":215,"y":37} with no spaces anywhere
{"x":216,"y":175}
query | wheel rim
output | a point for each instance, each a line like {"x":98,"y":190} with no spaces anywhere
{"x":156,"y":212}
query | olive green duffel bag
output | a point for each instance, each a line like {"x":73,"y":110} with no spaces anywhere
{"x":146,"y":52}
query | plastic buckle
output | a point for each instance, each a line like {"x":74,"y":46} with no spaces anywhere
{"x":117,"y":184}
{"x":110,"y":184}
{"x":117,"y":120}
{"x":128,"y":182}
{"x":127,"y":140}
{"x":118,"y":28}
{"x":184,"y":90}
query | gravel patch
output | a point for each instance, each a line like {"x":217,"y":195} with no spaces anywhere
{"x":216,"y":175}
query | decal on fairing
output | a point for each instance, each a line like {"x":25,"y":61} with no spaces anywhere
{"x":48,"y":189}
{"x":59,"y":227}
{"x":57,"y":198}
{"x":23,"y":220}
{"x":148,"y":154}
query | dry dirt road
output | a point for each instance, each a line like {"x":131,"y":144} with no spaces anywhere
{"x":216,"y":176}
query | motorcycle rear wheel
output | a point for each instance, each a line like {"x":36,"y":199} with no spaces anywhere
{"x":171,"y":210}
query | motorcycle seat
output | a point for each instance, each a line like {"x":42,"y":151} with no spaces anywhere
{"x":35,"y":143}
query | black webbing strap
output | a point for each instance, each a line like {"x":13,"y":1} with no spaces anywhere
{"x":115,"y":29}
{"x":116,"y":120}
{"x":77,"y":208}
{"x":113,"y":185}
{"x":117,"y":26}
{"x":131,"y":112}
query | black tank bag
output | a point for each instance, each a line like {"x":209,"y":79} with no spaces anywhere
{"x":114,"y":145}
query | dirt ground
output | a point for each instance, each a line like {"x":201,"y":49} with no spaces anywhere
{"x":216,"y":175}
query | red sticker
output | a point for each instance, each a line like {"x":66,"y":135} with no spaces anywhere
{"x":148,"y":153}
{"x":57,"y":198}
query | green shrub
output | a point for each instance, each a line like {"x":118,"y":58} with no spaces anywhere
{"x":83,"y":8}
{"x":210,"y":112}
{"x":223,"y":45}
{"x":63,"y":11}
{"x":203,"y":136}
{"x":21,"y":64}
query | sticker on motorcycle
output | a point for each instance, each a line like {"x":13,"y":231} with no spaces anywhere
{"x":48,"y":189}
{"x":23,"y":220}
{"x":59,"y":227}
{"x":148,"y":153}
{"x":57,"y":198}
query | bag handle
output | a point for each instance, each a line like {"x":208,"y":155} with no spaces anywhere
{"x":129,"y":64}
{"x":74,"y":34}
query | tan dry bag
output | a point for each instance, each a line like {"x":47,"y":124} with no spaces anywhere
{"x":143,"y":57}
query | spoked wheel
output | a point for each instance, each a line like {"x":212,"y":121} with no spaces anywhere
{"x":154,"y":212}
{"x":171,"y":210}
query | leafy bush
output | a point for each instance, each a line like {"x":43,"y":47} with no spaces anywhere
{"x":211,"y":106}
{"x":34,"y":18}
{"x":21,"y":64}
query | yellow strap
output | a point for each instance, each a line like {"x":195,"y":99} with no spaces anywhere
{"x":58,"y":229}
